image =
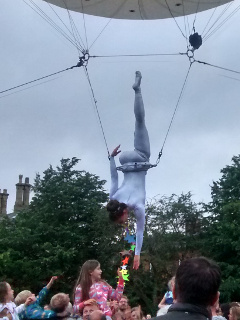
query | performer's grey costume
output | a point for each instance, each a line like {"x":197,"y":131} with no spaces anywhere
{"x":134,"y":166}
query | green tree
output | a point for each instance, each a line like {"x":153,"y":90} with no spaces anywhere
{"x":172,"y":233}
{"x":222,"y":241}
{"x":66,"y":224}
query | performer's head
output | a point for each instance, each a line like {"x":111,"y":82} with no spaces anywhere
{"x":118,"y":211}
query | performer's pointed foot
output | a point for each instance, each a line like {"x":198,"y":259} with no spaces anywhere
{"x":137,"y":83}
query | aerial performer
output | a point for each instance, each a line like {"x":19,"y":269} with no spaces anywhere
{"x":134,"y":165}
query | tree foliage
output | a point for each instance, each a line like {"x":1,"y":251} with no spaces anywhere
{"x":222,"y":239}
{"x":172,"y":233}
{"x":67,"y":224}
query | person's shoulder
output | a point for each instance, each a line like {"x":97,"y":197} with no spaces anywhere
{"x":165,"y":316}
{"x":11,"y":304}
{"x":172,"y":316}
{"x":3,"y":306}
{"x":103,"y":284}
{"x":218,"y":318}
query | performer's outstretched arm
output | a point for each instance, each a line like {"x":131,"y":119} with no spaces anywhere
{"x":140,"y":216}
{"x":114,"y":173}
{"x":140,"y":229}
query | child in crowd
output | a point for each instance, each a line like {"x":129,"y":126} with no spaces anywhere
{"x":90,"y":286}
{"x":136,"y":313}
{"x":8,"y":308}
{"x":168,"y":297}
{"x":234,"y":313}
{"x":60,"y":302}
{"x":167,"y":300}
{"x":216,"y":315}
{"x":34,"y":310}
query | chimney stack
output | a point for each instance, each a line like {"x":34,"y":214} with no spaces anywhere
{"x":22,"y":194}
{"x":3,"y":201}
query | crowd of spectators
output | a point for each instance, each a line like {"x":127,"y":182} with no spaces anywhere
{"x":193,"y":294}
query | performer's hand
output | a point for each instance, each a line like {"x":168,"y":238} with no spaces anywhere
{"x":115,"y":151}
{"x":136,"y":262}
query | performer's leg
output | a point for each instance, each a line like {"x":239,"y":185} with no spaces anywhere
{"x":141,"y":139}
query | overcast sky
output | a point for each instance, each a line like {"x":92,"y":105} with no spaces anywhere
{"x":57,"y":119}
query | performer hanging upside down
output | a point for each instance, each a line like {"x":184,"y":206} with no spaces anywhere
{"x":131,"y":194}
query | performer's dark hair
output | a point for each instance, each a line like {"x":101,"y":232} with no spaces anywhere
{"x":115,"y":209}
{"x":197,"y":281}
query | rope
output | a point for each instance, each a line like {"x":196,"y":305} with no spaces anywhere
{"x":189,"y":32}
{"x":218,"y":67}
{"x":218,"y":18}
{"x":44,"y":16}
{"x":80,"y":64}
{"x":195,"y":18}
{"x":174,"y":19}
{"x":222,"y":23}
{"x":174,"y":113}
{"x":77,"y":43}
{"x":230,"y":77}
{"x":84,"y":23}
{"x":50,"y":75}
{"x":96,"y":107}
{"x":138,"y":55}
{"x":38,"y":84}
{"x":185,"y":23}
{"x":140,"y":7}
{"x":76,"y":36}
{"x":210,"y":18}
{"x":100,"y":33}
